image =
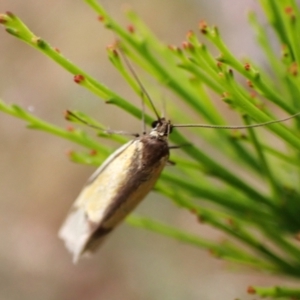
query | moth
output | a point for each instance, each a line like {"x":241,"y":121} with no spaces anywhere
{"x":115,"y":189}
{"x":121,"y":183}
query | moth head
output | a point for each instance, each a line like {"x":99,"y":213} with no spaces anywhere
{"x":161,"y":128}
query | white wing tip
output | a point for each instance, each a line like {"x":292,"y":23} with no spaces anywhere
{"x":75,"y":232}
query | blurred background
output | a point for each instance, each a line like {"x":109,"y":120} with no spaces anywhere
{"x":38,"y":183}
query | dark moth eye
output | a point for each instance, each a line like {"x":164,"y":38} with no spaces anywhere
{"x":154,"y":123}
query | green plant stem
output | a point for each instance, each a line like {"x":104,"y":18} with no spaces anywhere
{"x":17,"y":28}
{"x":276,"y":292}
{"x":75,"y":136}
{"x":221,"y":251}
{"x":265,"y":167}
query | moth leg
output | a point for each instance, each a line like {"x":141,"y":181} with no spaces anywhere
{"x":69,"y":115}
{"x":171,"y":163}
{"x":121,"y":132}
{"x":180,"y":146}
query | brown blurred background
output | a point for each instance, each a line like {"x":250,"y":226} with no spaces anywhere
{"x":38,"y":183}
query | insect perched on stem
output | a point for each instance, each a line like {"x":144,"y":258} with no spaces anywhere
{"x":121,"y":183}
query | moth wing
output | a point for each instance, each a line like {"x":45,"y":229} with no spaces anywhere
{"x":80,"y":222}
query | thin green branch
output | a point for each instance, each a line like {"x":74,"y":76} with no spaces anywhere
{"x":224,"y":250}
{"x":275,"y":292}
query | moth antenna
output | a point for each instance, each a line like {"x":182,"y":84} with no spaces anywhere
{"x":238,"y":126}
{"x":143,"y":117}
{"x":164,"y":110}
{"x":134,"y":74}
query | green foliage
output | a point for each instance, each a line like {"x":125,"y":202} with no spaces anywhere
{"x":216,"y":194}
